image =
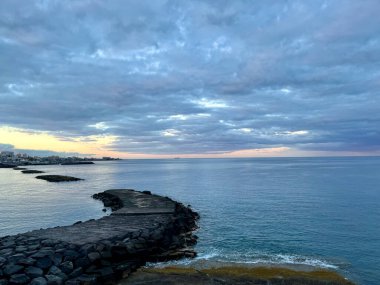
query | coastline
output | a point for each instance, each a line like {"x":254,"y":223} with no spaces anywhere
{"x":145,"y":228}
{"x":259,"y":274}
{"x":112,"y":250}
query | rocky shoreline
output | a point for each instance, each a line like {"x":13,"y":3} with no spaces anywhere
{"x":234,"y":275}
{"x":143,"y":227}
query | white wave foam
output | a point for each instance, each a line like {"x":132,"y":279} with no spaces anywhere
{"x":262,"y":258}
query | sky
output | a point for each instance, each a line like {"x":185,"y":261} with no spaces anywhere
{"x":157,"y":79}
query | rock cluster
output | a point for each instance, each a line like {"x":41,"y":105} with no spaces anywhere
{"x":58,"y":178}
{"x":31,"y":171}
{"x":27,"y":259}
{"x":109,"y":200}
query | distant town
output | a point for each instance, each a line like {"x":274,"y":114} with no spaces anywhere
{"x":11,"y":159}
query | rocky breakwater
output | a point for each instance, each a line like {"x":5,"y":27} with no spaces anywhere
{"x":142,"y":227}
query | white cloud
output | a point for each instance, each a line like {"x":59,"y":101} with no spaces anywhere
{"x":285,"y":90}
{"x":211,"y":104}
{"x":245,"y":130}
{"x":295,"y":133}
{"x":170,"y":133}
{"x":185,"y":117}
{"x":100,"y":126}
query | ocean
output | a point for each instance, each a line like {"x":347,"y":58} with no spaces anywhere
{"x":313,"y":211}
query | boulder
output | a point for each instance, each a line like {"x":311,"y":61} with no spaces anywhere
{"x":19,"y":279}
{"x":54,"y":280}
{"x":44,"y":262}
{"x":34,"y":272}
{"x":67,"y":267}
{"x":38,"y":281}
{"x":93,"y":256}
{"x":12,"y":269}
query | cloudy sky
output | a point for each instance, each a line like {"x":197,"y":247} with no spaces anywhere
{"x":190,"y":78}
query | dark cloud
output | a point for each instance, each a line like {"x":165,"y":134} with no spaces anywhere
{"x":194,"y":76}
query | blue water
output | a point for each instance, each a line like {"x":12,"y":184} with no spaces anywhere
{"x":318,"y":211}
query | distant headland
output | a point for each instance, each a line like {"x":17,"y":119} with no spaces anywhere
{"x":9,"y":159}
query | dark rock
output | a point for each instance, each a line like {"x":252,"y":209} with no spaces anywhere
{"x":70,"y":253}
{"x":54,"y":280}
{"x":43,"y":253}
{"x":58,"y":178}
{"x":2,"y":260}
{"x":109,"y":200}
{"x":87,"y":279}
{"x":57,"y":259}
{"x":87,"y":248}
{"x":106,"y":254}
{"x":6,"y":251}
{"x":12,"y":269}
{"x":34,"y":272}
{"x":100,"y":247}
{"x":44,"y":262}
{"x":19,"y":279}
{"x":33,"y":239}
{"x":34,"y":247}
{"x":19,"y":168}
{"x":67,"y":267}
{"x":119,"y":251}
{"x":72,"y":282}
{"x":38,"y":281}
{"x":9,"y":243}
{"x":106,"y":272}
{"x":105,"y":263}
{"x":21,"y":248}
{"x":128,"y":267}
{"x":93,"y":256}
{"x":147,"y":192}
{"x":54,"y":270}
{"x":16,"y":257}
{"x":26,"y":261}
{"x":32,"y":171}
{"x":82,"y":262}
{"x":48,"y":243}
{"x":93,"y":269}
{"x":78,"y":271}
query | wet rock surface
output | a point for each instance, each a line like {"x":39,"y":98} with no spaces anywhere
{"x":104,"y":250}
{"x":58,"y":178}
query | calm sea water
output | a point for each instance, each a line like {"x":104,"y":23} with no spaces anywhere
{"x":318,"y":211}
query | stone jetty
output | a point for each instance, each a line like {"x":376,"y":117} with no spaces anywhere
{"x":142,"y":227}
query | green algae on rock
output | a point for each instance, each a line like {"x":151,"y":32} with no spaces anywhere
{"x":235,"y":275}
